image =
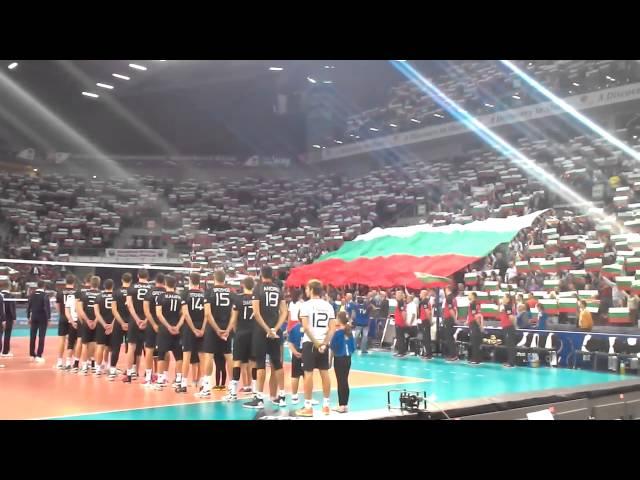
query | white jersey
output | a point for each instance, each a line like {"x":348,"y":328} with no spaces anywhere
{"x":71,"y":305}
{"x":319,"y":313}
{"x":294,"y":310}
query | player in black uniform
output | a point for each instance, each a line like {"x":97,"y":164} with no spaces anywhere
{"x":120,"y":326}
{"x":170,"y":318}
{"x":242,"y":324}
{"x":88,"y":329}
{"x":137,"y":320}
{"x":104,"y":316}
{"x":192,"y":330}
{"x":150,"y":333}
{"x":67,"y":329}
{"x":9,"y":319}
{"x":270,"y":312}
{"x":216,"y":334}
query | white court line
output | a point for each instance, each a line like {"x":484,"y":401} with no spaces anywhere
{"x":104,"y":412}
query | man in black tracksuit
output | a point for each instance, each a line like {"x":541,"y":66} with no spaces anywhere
{"x":39,"y":315}
{"x":9,"y":312}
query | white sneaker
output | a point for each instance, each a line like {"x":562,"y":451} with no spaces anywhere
{"x":230,"y":397}
{"x":40,"y":360}
{"x":295,"y":399}
{"x":315,"y":402}
{"x":6,"y":355}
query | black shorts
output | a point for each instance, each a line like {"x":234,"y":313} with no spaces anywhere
{"x":213,"y":344}
{"x":191,"y":343}
{"x":101,"y":336}
{"x":242,"y":346}
{"x":312,"y":358}
{"x":63,"y":327}
{"x":88,"y":335}
{"x":263,"y":346}
{"x":150,"y":337}
{"x":73,"y":335}
{"x":296,"y":367}
{"x":168,"y":343}
{"x":135,"y":336}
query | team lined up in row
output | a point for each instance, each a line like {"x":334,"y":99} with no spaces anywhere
{"x":195,"y":327}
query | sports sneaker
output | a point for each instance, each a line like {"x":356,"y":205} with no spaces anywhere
{"x":40,"y":360}
{"x":506,"y":365}
{"x":148,"y":383}
{"x":326,"y":410}
{"x":340,"y":409}
{"x":134,"y":375}
{"x":230,"y":397}
{"x":74,"y":369}
{"x":112,"y":376}
{"x":304,"y":412}
{"x":246,"y":389}
{"x":295,"y":399}
{"x":159,"y":386}
{"x":67,"y":368}
{"x":220,"y":388}
{"x":474,"y":363}
{"x":84,"y":371}
{"x":452,"y":359}
{"x":254,"y":403}
{"x":203,"y":393}
{"x":282,"y":401}
{"x":181,"y":389}
{"x":6,"y":355}
{"x":127,"y":379}
{"x":59,"y":366}
{"x":176,"y":384}
{"x":98,"y":373}
{"x":315,"y":402}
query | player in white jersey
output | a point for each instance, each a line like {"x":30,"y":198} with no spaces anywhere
{"x":318,"y":323}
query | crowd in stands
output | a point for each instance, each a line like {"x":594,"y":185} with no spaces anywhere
{"x":483,"y":87}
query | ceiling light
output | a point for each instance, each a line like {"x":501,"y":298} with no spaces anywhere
{"x":489,"y":105}
{"x":351,"y":135}
{"x":123,"y":77}
{"x":393,"y":125}
{"x":160,"y":60}
{"x":415,"y":121}
{"x":327,"y":81}
{"x":12,"y":65}
{"x":515,"y":96}
{"x":575,"y":84}
{"x":94,"y":176}
{"x":89,"y":94}
{"x":316,"y":146}
{"x":105,"y":85}
{"x":611,"y":78}
{"x":374,"y":129}
{"x":137,"y":67}
{"x":357,"y":136}
{"x":311,"y":80}
{"x":570,"y":92}
{"x":635,"y":136}
{"x":438,"y":115}
{"x":35,"y":169}
{"x":339,"y":142}
{"x":276,"y":69}
{"x":530,"y":63}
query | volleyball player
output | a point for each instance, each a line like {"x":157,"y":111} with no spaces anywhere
{"x":192,"y":330}
{"x":75,"y":337}
{"x":475,"y":322}
{"x":169,"y":315}
{"x":104,"y":316}
{"x":450,"y":314}
{"x":137,"y":320}
{"x":67,"y":332}
{"x":120,"y":326}
{"x":270,"y":312}
{"x":87,"y":313}
{"x":242,"y":323}
{"x":318,"y":322}
{"x":216,"y":334}
{"x":151,"y":332}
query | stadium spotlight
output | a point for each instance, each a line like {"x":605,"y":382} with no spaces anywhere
{"x":311,"y":80}
{"x":586,"y":121}
{"x":12,"y":65}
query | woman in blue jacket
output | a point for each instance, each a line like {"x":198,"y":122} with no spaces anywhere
{"x":342,"y":346}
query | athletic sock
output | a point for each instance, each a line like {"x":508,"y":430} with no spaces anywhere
{"x":307,"y":403}
{"x":69,"y":362}
{"x":325,"y":402}
{"x":184,"y":382}
{"x":161,"y":378}
{"x":254,"y":386}
{"x":112,"y":370}
{"x":59,"y":364}
{"x":206,"y":385}
{"x":178,"y":378}
{"x":85,"y":365}
{"x":282,"y":393}
{"x":147,"y":375}
{"x":233,"y":387}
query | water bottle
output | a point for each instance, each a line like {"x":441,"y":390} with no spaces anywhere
{"x":623,"y":368}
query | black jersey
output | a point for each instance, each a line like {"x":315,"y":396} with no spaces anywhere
{"x":269,"y":295}
{"x":88,"y":299}
{"x":61,"y":300}
{"x":195,"y":301}
{"x":120,"y":297}
{"x":171,"y":304}
{"x":221,"y":301}
{"x":244,"y":306}
{"x":137,"y":292}
{"x":104,"y":302}
{"x":152,"y":298}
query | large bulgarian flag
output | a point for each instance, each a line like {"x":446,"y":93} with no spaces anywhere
{"x":414,"y":256}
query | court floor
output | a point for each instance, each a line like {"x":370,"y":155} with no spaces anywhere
{"x":38,"y":391}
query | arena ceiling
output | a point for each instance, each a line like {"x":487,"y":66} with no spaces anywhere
{"x":176,"y":106}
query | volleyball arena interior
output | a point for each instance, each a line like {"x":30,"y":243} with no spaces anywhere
{"x":320,"y":239}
